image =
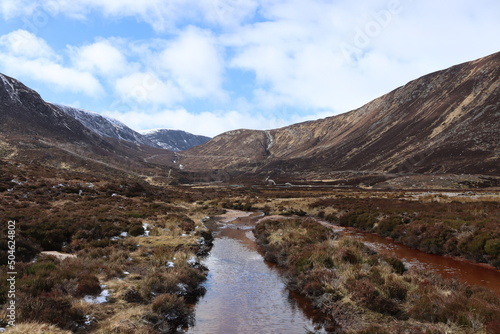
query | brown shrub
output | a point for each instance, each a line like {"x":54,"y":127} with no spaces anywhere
{"x":170,"y":306}
{"x":367,"y":295}
{"x":136,"y":230}
{"x":313,"y":288}
{"x":132,"y":295}
{"x":88,"y":285}
{"x":51,"y":309}
{"x":169,"y":313}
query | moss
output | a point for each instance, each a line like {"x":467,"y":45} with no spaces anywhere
{"x":387,"y":226}
{"x":41,"y":268}
{"x":492,"y":247}
{"x":477,"y":245}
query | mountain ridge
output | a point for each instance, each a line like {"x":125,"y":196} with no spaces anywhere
{"x":105,"y":126}
{"x":37,"y":132}
{"x":444,"y":122}
{"x":174,"y":140}
{"x":423,"y":126}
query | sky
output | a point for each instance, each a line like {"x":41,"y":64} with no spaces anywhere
{"x":210,"y":66}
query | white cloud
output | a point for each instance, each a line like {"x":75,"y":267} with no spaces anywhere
{"x":229,"y":13}
{"x":188,"y":66}
{"x":146,"y":87}
{"x":161,"y":15}
{"x":14,"y":8}
{"x":194,"y":62}
{"x":297,"y":54}
{"x":295,"y":64}
{"x":17,"y":57}
{"x":22,"y":43}
{"x":101,"y":58}
{"x":42,"y":70}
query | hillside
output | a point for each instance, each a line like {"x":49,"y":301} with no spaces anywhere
{"x":36,"y":132}
{"x":444,"y":122}
{"x":174,"y":140}
{"x":105,"y":126}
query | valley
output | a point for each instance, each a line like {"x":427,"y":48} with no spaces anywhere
{"x":146,"y":247}
{"x":108,"y":230}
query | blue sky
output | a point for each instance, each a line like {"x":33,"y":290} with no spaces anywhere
{"x":209,"y":66}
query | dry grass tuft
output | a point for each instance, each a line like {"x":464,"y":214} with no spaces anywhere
{"x":35,"y":328}
{"x":358,"y":288}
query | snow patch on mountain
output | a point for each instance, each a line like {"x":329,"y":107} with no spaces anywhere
{"x":9,"y":87}
{"x":105,"y":126}
{"x":174,"y":140}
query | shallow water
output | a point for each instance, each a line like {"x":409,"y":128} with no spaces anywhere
{"x":244,"y":294}
{"x":446,"y":266}
{"x":247,"y":295}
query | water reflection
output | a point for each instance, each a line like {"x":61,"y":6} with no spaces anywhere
{"x":446,"y":266}
{"x":244,"y":294}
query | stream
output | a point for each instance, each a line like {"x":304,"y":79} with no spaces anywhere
{"x":247,"y":295}
{"x":448,"y":267}
{"x":244,"y":293}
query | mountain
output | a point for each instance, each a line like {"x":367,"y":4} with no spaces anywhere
{"x":34,"y":131}
{"x":105,"y":126}
{"x":444,"y":122}
{"x":24,"y":113}
{"x":174,"y":140}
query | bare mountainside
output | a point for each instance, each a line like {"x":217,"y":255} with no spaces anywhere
{"x":36,"y":132}
{"x":444,"y":122}
{"x":105,"y":126}
{"x":174,"y":140}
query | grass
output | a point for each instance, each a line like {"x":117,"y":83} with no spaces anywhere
{"x":358,"y":289}
{"x":465,"y":226}
{"x":51,"y":215}
{"x":36,"y":328}
{"x":341,"y":277}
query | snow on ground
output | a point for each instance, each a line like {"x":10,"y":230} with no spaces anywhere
{"x":102,"y":298}
{"x":59,"y":255}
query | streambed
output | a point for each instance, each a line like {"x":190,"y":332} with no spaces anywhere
{"x":245,"y":294}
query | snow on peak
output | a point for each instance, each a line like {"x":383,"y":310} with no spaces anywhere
{"x":9,"y":87}
{"x":175,"y":140}
{"x":105,"y":126}
{"x":151,"y":131}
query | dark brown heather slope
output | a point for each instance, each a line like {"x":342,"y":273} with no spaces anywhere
{"x":446,"y":122}
{"x":34,"y":131}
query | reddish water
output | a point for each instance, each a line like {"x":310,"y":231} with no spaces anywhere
{"x":247,"y":295}
{"x":446,"y":266}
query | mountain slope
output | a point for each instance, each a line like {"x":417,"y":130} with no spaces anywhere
{"x":105,"y":126}
{"x":35,"y":131}
{"x":174,"y":140}
{"x":23,"y":112}
{"x":447,"y":121}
